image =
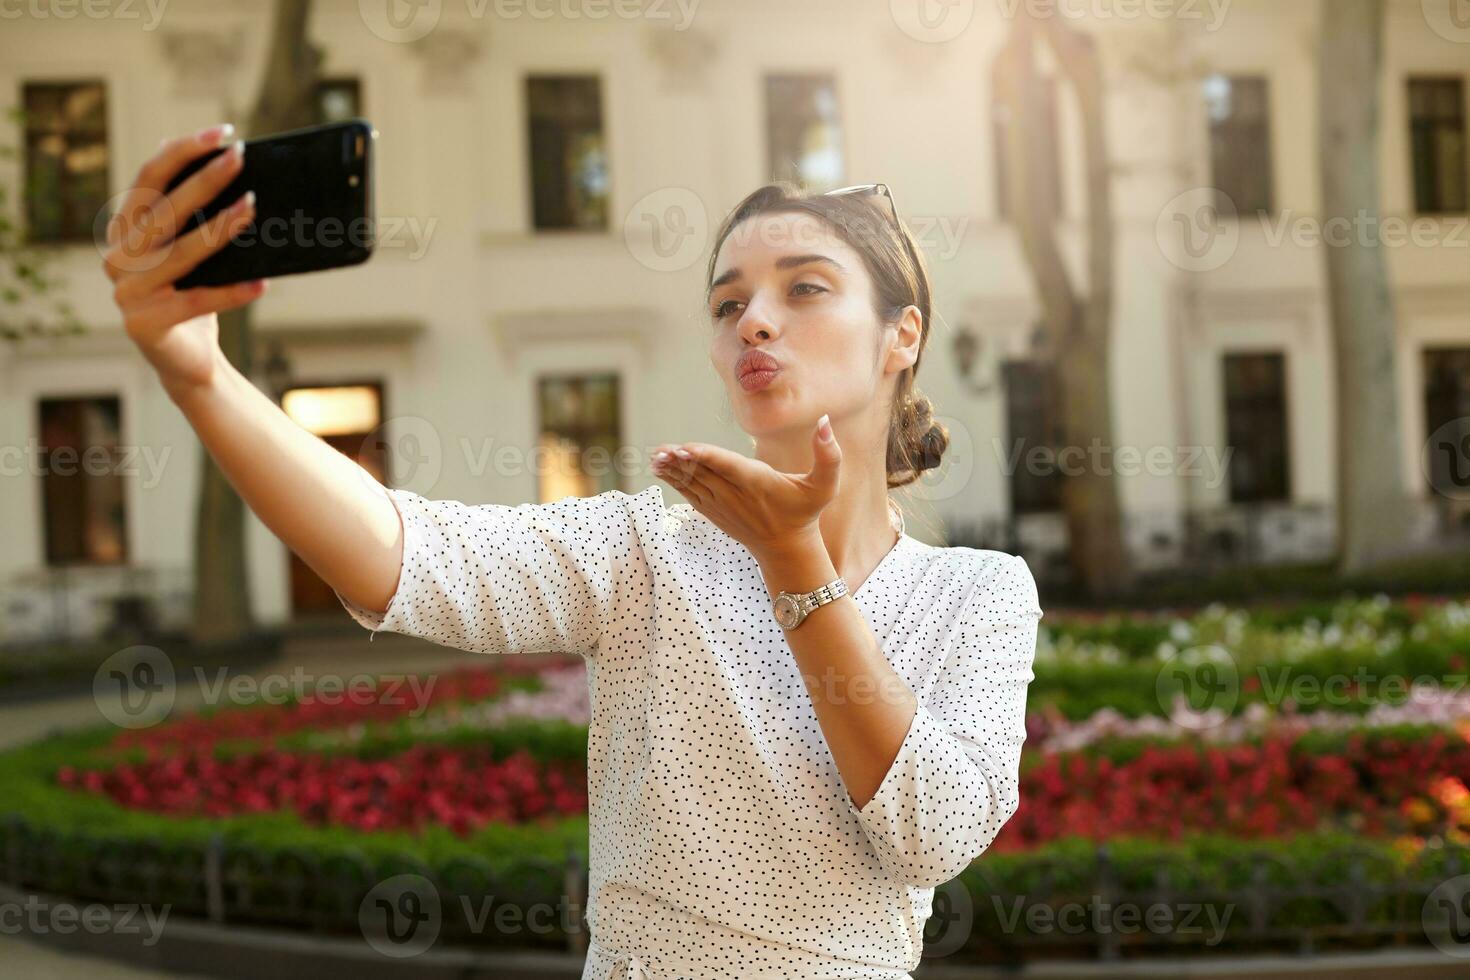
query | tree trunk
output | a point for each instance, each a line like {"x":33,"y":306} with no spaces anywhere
{"x":1077,"y":329}
{"x":287,"y":100}
{"x":1373,"y":510}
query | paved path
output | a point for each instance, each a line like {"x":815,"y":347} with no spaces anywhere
{"x":342,"y":655}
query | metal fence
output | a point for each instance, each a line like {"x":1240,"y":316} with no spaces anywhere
{"x":1354,"y":897}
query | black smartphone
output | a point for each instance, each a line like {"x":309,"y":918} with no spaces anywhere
{"x":313,"y":205}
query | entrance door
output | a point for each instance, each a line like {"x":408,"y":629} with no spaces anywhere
{"x":346,"y":417}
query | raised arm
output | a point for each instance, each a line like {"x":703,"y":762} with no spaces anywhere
{"x":323,"y":505}
{"x":525,"y":578}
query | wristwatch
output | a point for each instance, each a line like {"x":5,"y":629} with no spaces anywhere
{"x":791,"y":608}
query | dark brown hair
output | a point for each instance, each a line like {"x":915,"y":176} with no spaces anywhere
{"x":916,"y":442}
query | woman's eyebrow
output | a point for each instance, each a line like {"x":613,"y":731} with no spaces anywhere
{"x":784,"y":262}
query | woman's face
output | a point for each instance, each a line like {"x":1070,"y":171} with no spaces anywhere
{"x":789,"y":286}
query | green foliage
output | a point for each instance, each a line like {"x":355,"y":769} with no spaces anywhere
{"x":32,"y":300}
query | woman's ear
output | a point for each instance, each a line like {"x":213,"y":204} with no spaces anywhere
{"x":905,"y":350}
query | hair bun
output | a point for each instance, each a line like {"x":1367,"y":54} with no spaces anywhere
{"x":918,"y":444}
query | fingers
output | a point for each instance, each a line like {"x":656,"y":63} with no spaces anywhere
{"x":172,"y":211}
{"x":185,"y":304}
{"x":175,"y":153}
{"x":718,"y":460}
{"x":152,"y":316}
{"x":183,"y":254}
{"x":153,"y":177}
{"x":679,"y":473}
{"x":711,"y":481}
{"x":672,"y":463}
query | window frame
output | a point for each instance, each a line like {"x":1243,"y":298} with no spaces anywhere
{"x":1252,"y":402}
{"x":1459,"y":82}
{"x":529,"y":80}
{"x":70,"y":235}
{"x":1223,"y":134}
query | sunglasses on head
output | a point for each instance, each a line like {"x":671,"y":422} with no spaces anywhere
{"x":884,"y":191}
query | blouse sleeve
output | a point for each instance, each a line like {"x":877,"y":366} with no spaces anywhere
{"x":528,"y":578}
{"x":955,"y":781}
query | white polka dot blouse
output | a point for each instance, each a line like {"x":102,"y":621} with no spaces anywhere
{"x":723,"y":843}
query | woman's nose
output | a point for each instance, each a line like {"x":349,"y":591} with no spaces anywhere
{"x":757,"y":322}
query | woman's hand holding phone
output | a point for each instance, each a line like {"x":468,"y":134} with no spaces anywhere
{"x":322,"y":504}
{"x":177,"y":330}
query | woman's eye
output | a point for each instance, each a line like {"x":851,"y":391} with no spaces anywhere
{"x":721,"y":311}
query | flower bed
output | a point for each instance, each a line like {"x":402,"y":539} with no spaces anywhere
{"x":461,"y":789}
{"x":480,"y":784}
{"x":1380,"y":784}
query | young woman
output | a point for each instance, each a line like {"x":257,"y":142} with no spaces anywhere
{"x":803,"y":719}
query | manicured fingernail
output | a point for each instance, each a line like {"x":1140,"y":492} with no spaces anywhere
{"x":683,"y":453}
{"x":216,"y":134}
{"x":824,"y":428}
{"x":246,"y":202}
{"x":660,"y":457}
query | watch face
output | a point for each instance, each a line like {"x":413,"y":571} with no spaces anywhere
{"x":788,"y":613}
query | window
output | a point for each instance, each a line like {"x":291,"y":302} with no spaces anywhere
{"x":1255,"y":427}
{"x":803,"y":131}
{"x":1437,"y":137}
{"x":1033,"y":419}
{"x":65,"y":159}
{"x":568,"y":152}
{"x":1240,"y":142}
{"x":1446,"y":401}
{"x":338,"y":99}
{"x":580,"y":432}
{"x":82,"y":484}
{"x":1000,"y":127}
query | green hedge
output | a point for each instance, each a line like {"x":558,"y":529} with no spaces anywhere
{"x":1308,"y":877}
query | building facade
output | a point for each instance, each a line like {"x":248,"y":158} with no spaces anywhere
{"x":549,"y":176}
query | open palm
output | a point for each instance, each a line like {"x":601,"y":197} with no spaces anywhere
{"x":751,"y":501}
